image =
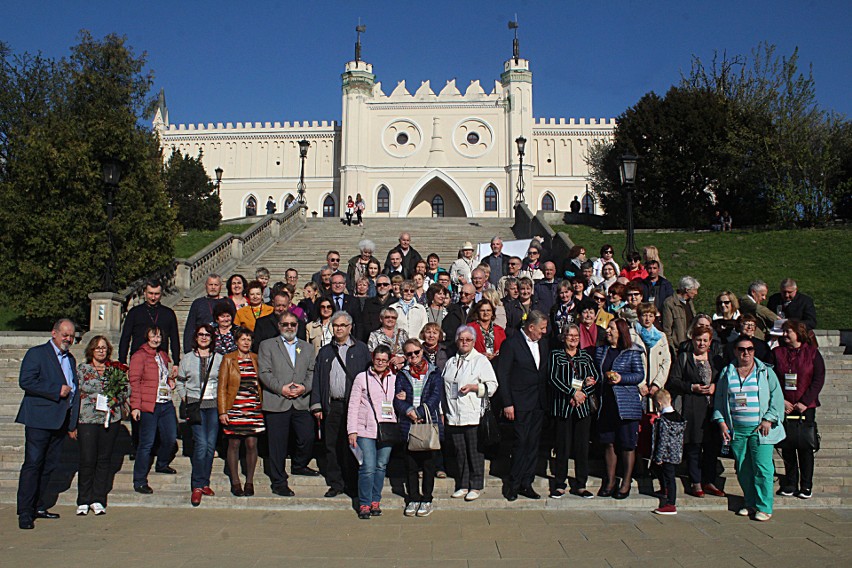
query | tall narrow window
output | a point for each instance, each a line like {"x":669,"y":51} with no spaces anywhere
{"x":328,"y":209}
{"x":383,"y":200}
{"x":588,"y":204}
{"x":547,"y":202}
{"x":490,"y":198}
{"x":437,"y":206}
{"x":251,"y":206}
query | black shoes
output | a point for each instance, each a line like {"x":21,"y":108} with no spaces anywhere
{"x":145,"y":489}
{"x":333,"y":492}
{"x":306,"y":471}
{"x":284,"y":491}
{"x":585,"y":494}
{"x":604,"y":492}
{"x":529,"y":493}
{"x":46,"y":515}
{"x":25,"y":523}
{"x":166,"y":470}
{"x":619,"y":495}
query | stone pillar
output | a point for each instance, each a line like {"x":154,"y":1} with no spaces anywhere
{"x":183,"y":275}
{"x":105,"y":315}
{"x":237,"y":248}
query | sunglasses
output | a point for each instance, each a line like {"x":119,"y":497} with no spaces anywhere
{"x":532,"y":253}
{"x":325,"y":307}
{"x":607,"y":252}
{"x":412,"y":353}
{"x":382,"y":284}
{"x":745,"y":349}
{"x":288,"y":324}
{"x":202,"y":335}
{"x":723,"y":303}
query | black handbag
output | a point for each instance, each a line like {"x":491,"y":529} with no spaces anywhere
{"x":193,"y":409}
{"x":801,"y":434}
{"x":386,"y":432}
{"x":488,"y":430}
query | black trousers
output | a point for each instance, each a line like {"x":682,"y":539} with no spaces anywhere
{"x":340,"y":467}
{"x":42,"y":451}
{"x":666,"y":473}
{"x":278,"y":425}
{"x":527,"y":427}
{"x":572,"y":441}
{"x":701,"y":457}
{"x":96,"y":444}
{"x":414,"y":461}
{"x":798,"y":462}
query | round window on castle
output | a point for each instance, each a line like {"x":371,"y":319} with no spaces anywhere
{"x":472,"y":138}
{"x":402,"y":138}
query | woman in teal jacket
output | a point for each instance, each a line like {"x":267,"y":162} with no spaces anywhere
{"x":749,"y":408}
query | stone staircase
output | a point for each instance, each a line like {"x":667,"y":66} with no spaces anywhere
{"x":833,"y":475}
{"x":306,"y":250}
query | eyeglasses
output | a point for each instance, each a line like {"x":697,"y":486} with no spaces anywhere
{"x":745,"y":349}
{"x":639,"y":294}
{"x":464,"y":339}
{"x":390,"y":317}
{"x":334,"y":260}
{"x":340,"y":325}
{"x":723,"y":303}
{"x":202,"y":335}
{"x":532,"y":253}
{"x":101,"y":348}
{"x":288,"y":324}
{"x":382,"y":284}
{"x":412,"y":353}
{"x":599,"y":299}
{"x":326,"y":307}
{"x":607,"y":252}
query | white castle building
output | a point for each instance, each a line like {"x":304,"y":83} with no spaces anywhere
{"x":451,"y":153}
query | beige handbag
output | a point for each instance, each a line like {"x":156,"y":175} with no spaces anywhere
{"x":424,"y":437}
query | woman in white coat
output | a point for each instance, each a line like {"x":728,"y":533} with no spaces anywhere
{"x":468,"y":378}
{"x":411,"y":315}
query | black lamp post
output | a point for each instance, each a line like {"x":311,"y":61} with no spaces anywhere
{"x":219,"y":172}
{"x":522,"y":144}
{"x":627,"y":171}
{"x":111,"y":176}
{"x":303,"y":153}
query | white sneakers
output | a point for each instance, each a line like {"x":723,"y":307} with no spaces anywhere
{"x":411,"y":509}
{"x":459,"y":493}
{"x":472,"y":495}
{"x":96,"y":508}
{"x":762,"y":517}
{"x":425,"y":509}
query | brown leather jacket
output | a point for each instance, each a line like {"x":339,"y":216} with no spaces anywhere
{"x":229,"y":380}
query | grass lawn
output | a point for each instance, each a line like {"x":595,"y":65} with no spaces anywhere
{"x":820,"y":260}
{"x":189,"y":244}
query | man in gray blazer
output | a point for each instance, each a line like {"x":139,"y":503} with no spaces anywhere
{"x":286,"y":375}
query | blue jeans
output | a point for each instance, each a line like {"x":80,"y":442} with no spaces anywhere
{"x":371,"y":474}
{"x":164,"y":421}
{"x":204,"y":444}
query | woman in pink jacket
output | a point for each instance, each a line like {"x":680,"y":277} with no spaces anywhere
{"x":371,"y":403}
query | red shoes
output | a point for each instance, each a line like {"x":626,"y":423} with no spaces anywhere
{"x":207,"y":491}
{"x":195,"y":499}
{"x":711,"y":489}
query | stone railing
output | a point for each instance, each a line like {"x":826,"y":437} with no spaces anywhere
{"x":185,"y":274}
{"x":528,"y":226}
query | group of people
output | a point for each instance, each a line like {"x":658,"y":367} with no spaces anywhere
{"x":364,"y":352}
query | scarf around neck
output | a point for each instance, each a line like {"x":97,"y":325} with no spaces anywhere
{"x":650,"y":337}
{"x":407,"y":305}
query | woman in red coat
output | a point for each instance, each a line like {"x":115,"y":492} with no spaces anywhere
{"x":151,"y":384}
{"x":801,"y":370}
{"x":489,"y":335}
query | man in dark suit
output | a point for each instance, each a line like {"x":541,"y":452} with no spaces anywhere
{"x":522,"y":376}
{"x":286,"y":373}
{"x":48,"y":411}
{"x":267,"y":326}
{"x":370,"y":316}
{"x":201,"y":310}
{"x":793,"y":305}
{"x":458,"y":313}
{"x":330,"y":400}
{"x":343,"y":301}
{"x":409,"y":257}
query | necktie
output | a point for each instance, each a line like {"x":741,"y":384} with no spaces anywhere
{"x":339,"y":303}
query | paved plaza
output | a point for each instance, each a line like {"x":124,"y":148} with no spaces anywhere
{"x":164,"y":538}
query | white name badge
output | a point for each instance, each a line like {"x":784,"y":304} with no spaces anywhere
{"x":163,"y":392}
{"x":387,"y":410}
{"x":101,"y":403}
{"x":454,"y":390}
{"x":791,"y":381}
{"x":740,"y":401}
{"x":576,"y":384}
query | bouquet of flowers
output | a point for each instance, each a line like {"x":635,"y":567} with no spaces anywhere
{"x":115,"y":386}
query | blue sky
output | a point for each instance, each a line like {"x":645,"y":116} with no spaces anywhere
{"x":265,"y":61}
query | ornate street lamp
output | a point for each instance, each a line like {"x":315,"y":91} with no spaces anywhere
{"x":627,"y":172}
{"x":303,"y":153}
{"x":111,"y":175}
{"x":219,"y":171}
{"x":522,"y":145}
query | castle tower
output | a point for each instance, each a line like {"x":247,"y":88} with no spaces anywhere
{"x":358,"y":82}
{"x":516,"y":80}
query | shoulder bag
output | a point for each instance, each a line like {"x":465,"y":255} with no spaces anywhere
{"x":423,"y":437}
{"x":489,"y":429}
{"x":386,"y":432}
{"x":193,"y":409}
{"x":801,"y":435}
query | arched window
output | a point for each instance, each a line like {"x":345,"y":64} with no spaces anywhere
{"x":490,"y":198}
{"x":328,"y":209}
{"x":437,"y":206}
{"x":547,"y":202}
{"x":383,"y":200}
{"x":251,"y":206}
{"x":288,"y":203}
{"x":588,"y":204}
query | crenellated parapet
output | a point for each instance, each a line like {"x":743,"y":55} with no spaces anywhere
{"x":449,"y":93}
